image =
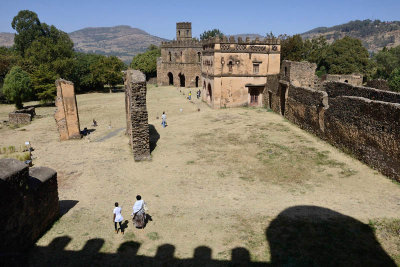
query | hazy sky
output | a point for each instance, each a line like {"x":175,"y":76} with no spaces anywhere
{"x":158,"y":17}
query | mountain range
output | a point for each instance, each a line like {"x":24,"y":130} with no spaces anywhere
{"x":125,"y":42}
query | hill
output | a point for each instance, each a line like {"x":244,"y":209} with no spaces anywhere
{"x":374,"y":34}
{"x":121,"y":41}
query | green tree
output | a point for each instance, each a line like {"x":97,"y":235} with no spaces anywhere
{"x":83,"y":72}
{"x":315,"y":50}
{"x":43,"y":79}
{"x":147,"y":61}
{"x":17,"y":86}
{"x":28,"y":27}
{"x":346,"y":56}
{"x":109,"y":71}
{"x":211,"y":33}
{"x":292,"y":48}
{"x":8,"y":59}
{"x":387,"y":60}
{"x":394,"y":80}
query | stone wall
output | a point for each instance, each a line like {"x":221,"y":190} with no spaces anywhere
{"x":299,"y":73}
{"x":137,"y":127}
{"x":270,"y":94}
{"x":368,"y":129}
{"x":22,"y":116}
{"x":306,"y":107}
{"x":66,"y":114}
{"x":29,"y":204}
{"x":353,"y":79}
{"x":379,"y":84}
{"x":362,"y":121}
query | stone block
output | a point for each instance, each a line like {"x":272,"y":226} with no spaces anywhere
{"x":66,"y":115}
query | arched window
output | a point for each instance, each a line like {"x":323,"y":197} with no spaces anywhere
{"x":230,"y":66}
{"x":179,"y":33}
{"x":169,"y":56}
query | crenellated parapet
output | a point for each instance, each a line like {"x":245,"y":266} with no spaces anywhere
{"x":231,"y":44}
{"x":182,"y":43}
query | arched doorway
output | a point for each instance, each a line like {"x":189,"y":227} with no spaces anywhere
{"x":170,"y":78}
{"x":182,"y":80}
{"x":209,"y":93}
{"x":197,"y":81}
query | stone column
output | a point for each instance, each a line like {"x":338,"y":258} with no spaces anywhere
{"x":137,"y":118}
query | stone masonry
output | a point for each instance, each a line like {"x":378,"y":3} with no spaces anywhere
{"x":22,"y":116}
{"x":137,"y":127}
{"x":28,"y":204}
{"x":362,"y":121}
{"x":66,"y":114}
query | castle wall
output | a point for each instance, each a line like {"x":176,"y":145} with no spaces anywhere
{"x":353,"y":79}
{"x":136,"y":114}
{"x":362,"y":121}
{"x":28,"y":204}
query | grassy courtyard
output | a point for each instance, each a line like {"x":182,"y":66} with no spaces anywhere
{"x":222,"y":179}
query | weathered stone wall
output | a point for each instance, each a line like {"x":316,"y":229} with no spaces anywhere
{"x":368,"y":129}
{"x":29,"y":204}
{"x":353,"y":79}
{"x":300,"y":74}
{"x":66,"y":114}
{"x":136,"y":114}
{"x":360,"y":120}
{"x":335,"y":89}
{"x":22,"y":116}
{"x":306,"y":107}
{"x":19,"y":118}
{"x":270,"y":95}
{"x":378,"y":84}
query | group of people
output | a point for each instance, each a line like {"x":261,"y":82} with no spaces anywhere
{"x":198,"y":94}
{"x":138,"y":214}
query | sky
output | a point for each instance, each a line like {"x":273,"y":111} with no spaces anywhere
{"x":158,"y":17}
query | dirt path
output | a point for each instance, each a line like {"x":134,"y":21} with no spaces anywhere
{"x":217,"y":177}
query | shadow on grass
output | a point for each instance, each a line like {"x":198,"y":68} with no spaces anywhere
{"x":66,"y":205}
{"x":298,"y":236}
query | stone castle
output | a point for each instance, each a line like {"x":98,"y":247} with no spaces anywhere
{"x":230,"y":72}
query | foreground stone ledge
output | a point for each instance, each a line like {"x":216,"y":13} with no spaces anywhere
{"x":28,"y":204}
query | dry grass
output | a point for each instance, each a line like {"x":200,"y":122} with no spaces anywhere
{"x":217,"y":177}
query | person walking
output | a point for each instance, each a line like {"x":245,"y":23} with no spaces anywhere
{"x":139,"y":214}
{"x":198,"y":94}
{"x":163,"y":120}
{"x":190,"y":95}
{"x":117,"y":218}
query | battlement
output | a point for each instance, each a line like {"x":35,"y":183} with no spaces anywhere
{"x":230,"y":44}
{"x":184,"y":25}
{"x":193,"y":42}
{"x":239,"y":40}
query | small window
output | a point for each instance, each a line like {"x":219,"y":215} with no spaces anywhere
{"x":256,"y":68}
{"x":285,"y":71}
{"x":179,"y":33}
{"x":230,"y":66}
{"x":187,"y":32}
{"x":170,"y":56}
{"x":198,"y":57}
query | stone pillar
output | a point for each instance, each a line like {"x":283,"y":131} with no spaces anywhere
{"x":137,"y":118}
{"x":28,"y":204}
{"x":66,"y":115}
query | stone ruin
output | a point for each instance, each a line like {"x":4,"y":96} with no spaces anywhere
{"x":137,"y":127}
{"x":66,"y":114}
{"x":29,"y":204}
{"x":22,"y":116}
{"x":360,"y":120}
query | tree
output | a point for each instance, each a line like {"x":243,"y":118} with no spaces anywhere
{"x":8,"y":59}
{"x":387,"y":60}
{"x":346,"y":56}
{"x":83,"y":77}
{"x":43,"y":79}
{"x":147,"y":61}
{"x":292,"y":48}
{"x":109,"y":70}
{"x":211,"y":33}
{"x":17,"y":86}
{"x":28,"y":28}
{"x":394,"y":80}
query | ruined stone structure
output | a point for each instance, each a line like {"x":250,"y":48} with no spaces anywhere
{"x":22,"y":116}
{"x":66,"y":114}
{"x":180,"y":61}
{"x":353,"y":79}
{"x":29,"y":204}
{"x":137,"y":127}
{"x":378,"y":84}
{"x":360,"y":120}
{"x":235,"y":73}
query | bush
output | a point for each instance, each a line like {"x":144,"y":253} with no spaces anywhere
{"x":17,"y":86}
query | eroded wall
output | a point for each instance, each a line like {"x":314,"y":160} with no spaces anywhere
{"x":28,"y":204}
{"x":136,"y":114}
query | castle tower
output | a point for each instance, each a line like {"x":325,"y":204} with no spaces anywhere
{"x":183,"y":31}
